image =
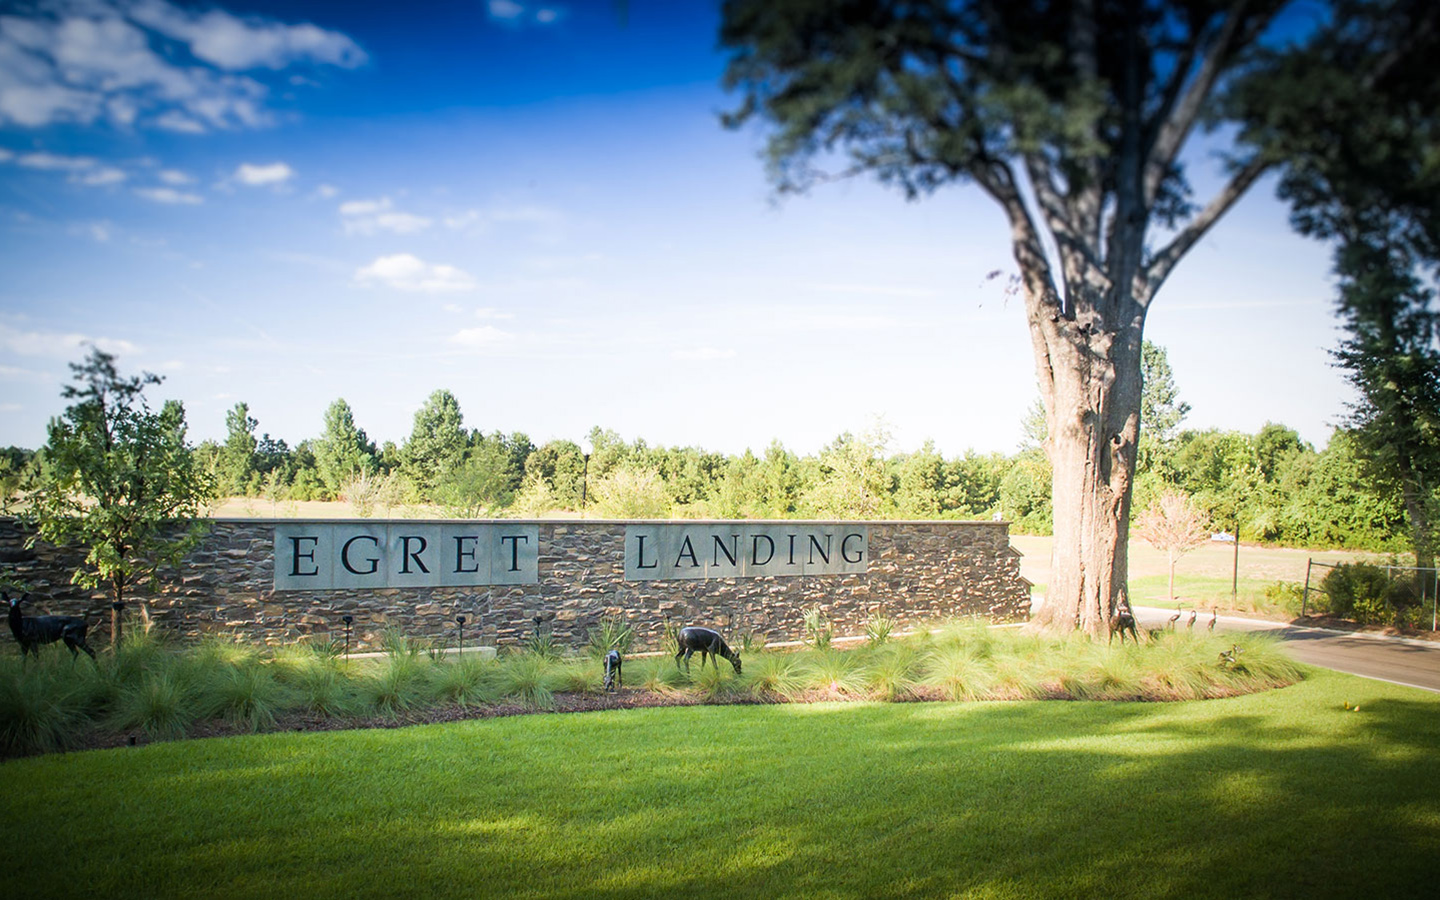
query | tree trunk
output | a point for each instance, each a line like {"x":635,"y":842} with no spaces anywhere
{"x":117,"y":608}
{"x":1092,"y":400}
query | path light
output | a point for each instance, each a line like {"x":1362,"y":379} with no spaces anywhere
{"x":348,"y":620}
{"x":584,"y":485}
{"x":460,"y":620}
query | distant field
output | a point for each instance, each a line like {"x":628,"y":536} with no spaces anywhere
{"x":1203,"y":575}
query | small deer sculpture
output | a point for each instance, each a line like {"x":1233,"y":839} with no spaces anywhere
{"x":614,"y":677}
{"x":707,"y":643}
{"x":33,"y":631}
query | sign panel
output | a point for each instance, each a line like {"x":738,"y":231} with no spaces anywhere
{"x":743,"y":550}
{"x":319,"y":556}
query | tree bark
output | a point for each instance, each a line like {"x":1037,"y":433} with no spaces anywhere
{"x":1092,"y":399}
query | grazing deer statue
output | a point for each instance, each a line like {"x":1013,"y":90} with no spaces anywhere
{"x":1124,"y":621}
{"x":707,"y":643}
{"x":36,"y":630}
{"x":613,"y":676}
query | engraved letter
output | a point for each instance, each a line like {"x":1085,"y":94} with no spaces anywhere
{"x":730,"y":552}
{"x":815,"y":545}
{"x":755,"y":549}
{"x":514,"y":540}
{"x":640,"y":555}
{"x":297,"y":555}
{"x":374,"y":561}
{"x":462,"y":553}
{"x":406,"y":555}
{"x":845,"y":551}
{"x":687,"y":549}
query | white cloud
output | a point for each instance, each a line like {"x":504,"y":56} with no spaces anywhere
{"x":327,"y":191}
{"x":259,"y":176}
{"x":406,"y":272}
{"x":175,"y":177}
{"x":60,"y":345}
{"x":169,"y":195}
{"x":6,"y":155}
{"x":55,"y":162}
{"x":484,"y":336}
{"x":225,"y":41}
{"x":369,"y":217}
{"x":100,"y":177}
{"x":511,"y":12}
{"x":490,"y":312}
{"x":702,"y":354}
{"x":151,"y":63}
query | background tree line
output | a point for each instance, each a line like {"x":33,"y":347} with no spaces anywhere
{"x":1271,"y":484}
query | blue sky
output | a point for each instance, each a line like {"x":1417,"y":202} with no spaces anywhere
{"x":534,"y":206}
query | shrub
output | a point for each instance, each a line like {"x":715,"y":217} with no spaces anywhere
{"x":1367,"y":594}
{"x":527,"y":678}
{"x":398,"y":684}
{"x":775,"y":675}
{"x":1286,"y":597}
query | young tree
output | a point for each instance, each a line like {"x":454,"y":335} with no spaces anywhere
{"x":1073,"y":117}
{"x":1175,"y":525}
{"x":437,"y":442}
{"x":343,"y":452}
{"x":119,"y":481}
{"x":237,"y":455}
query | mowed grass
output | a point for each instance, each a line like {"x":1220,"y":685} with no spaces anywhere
{"x":1279,"y":794}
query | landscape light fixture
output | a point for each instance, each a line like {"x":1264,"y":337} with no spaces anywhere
{"x":348,"y":620}
{"x":460,"y":620}
{"x":584,"y":485}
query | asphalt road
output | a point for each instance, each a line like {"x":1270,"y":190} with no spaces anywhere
{"x":1397,"y":660}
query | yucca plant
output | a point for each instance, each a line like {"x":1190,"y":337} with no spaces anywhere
{"x":878,"y":628}
{"x":818,"y":632}
{"x":612,"y":633}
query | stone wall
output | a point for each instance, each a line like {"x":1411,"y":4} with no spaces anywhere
{"x":918,"y":572}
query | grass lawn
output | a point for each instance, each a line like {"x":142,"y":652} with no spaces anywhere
{"x":1277,"y":794}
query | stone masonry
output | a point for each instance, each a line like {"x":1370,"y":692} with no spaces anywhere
{"x":918,"y":572}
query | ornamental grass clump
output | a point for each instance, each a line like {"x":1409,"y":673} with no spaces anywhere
{"x":834,"y":673}
{"x":397,"y":684}
{"x":529,"y":679}
{"x":465,"y":681}
{"x":894,"y":673}
{"x":579,"y":676}
{"x":658,"y":675}
{"x":161,"y":703}
{"x":716,"y":685}
{"x":959,"y":674}
{"x":775,"y":675}
{"x":247,"y":696}
{"x":40,"y":709}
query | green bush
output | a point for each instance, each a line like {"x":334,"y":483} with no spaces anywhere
{"x":1368,"y":595}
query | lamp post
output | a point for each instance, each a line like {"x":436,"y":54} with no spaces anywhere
{"x":460,"y":621}
{"x":584,"y":485}
{"x":348,"y":620}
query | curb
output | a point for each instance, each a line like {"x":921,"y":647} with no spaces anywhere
{"x":1338,"y":632}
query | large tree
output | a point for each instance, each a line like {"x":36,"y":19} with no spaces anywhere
{"x":437,"y":443}
{"x":120,"y":481}
{"x":1359,"y":141}
{"x":1073,"y":116}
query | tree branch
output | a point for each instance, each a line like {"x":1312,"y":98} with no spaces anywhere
{"x":1158,"y":269}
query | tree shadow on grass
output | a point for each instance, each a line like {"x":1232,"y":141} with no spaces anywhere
{"x":1284,"y":794}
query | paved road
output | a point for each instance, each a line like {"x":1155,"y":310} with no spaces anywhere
{"x":1408,"y":662}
